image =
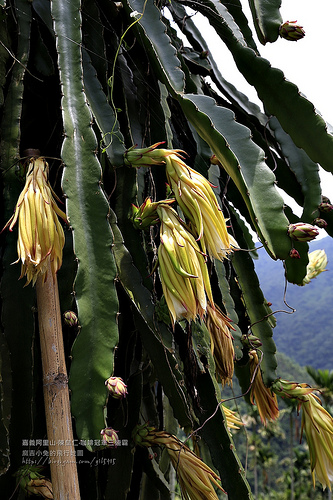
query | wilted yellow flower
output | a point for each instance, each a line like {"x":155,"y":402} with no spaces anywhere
{"x":222,"y":346}
{"x":182,"y":268}
{"x":317,"y":424}
{"x":317,"y":264}
{"x":233,"y":420}
{"x":195,"y":478}
{"x":195,"y":196}
{"x":198,"y":202}
{"x":261,"y":395}
{"x":40,"y":234}
{"x":34,"y":483}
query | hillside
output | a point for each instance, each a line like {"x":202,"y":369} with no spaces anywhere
{"x":307,"y":334}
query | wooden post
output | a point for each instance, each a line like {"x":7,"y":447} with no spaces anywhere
{"x":56,"y":394}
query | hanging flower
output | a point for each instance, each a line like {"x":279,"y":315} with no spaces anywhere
{"x":195,"y":196}
{"x":317,"y":424}
{"x":195,"y":478}
{"x":198,"y":202}
{"x":261,"y":395}
{"x":233,"y":421}
{"x":182,"y":268}
{"x":317,"y":264}
{"x":222,"y":346}
{"x":40,"y":234}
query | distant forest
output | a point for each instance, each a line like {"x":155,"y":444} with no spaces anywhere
{"x":307,"y":334}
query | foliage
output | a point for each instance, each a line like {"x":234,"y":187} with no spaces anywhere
{"x":84,"y":81}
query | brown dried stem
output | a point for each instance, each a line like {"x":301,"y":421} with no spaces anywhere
{"x":56,"y":394}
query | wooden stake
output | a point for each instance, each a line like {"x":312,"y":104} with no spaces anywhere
{"x":56,"y":394}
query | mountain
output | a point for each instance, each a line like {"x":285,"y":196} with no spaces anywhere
{"x":305,"y":335}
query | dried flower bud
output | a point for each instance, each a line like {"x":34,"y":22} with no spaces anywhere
{"x":302,"y":231}
{"x":117,"y":387}
{"x":214,"y":160}
{"x":291,"y":31}
{"x":320,"y":222}
{"x":109,"y":437}
{"x":294,"y":254}
{"x":325,"y":207}
{"x":70,"y":318}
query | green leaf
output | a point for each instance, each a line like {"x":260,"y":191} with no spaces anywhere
{"x":281,"y":98}
{"x":305,"y":170}
{"x":236,"y":10}
{"x":198,"y":41}
{"x":103,"y":114}
{"x":158,"y":44}
{"x":4,"y":55}
{"x":260,"y":314}
{"x":166,"y":113}
{"x":244,"y":162}
{"x":296,"y":268}
{"x":266,"y":18}
{"x":87,"y":209}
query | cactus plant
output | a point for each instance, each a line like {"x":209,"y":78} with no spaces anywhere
{"x":119,"y":107}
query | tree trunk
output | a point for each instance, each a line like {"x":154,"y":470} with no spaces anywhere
{"x":56,"y":394}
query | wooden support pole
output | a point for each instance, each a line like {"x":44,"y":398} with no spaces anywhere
{"x":56,"y":394}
